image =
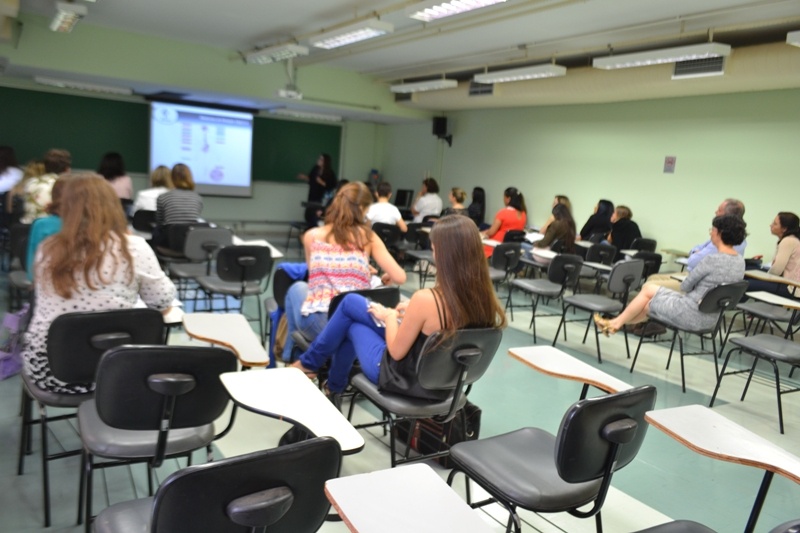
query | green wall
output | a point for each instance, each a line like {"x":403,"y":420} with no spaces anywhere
{"x":736,"y":145}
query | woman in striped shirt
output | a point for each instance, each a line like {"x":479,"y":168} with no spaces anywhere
{"x":181,"y":205}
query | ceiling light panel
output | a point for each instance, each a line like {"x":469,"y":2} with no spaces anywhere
{"x":430,"y":85}
{"x":662,"y":56}
{"x":352,"y":33}
{"x":274,"y":54}
{"x":67,"y":16}
{"x":436,"y":9}
{"x":91,"y":87}
{"x":305,"y":115}
{"x":520,"y":74}
{"x":793,"y":38}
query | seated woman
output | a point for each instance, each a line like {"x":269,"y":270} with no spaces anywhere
{"x":463,"y":297}
{"x":623,"y":230}
{"x":428,"y":202}
{"x":562,"y":229}
{"x":786,"y":263}
{"x":43,"y":227}
{"x":514,"y":216}
{"x":599,"y":222}
{"x":338,"y":255}
{"x":559,"y":199}
{"x":457,"y":198}
{"x":477,"y":209}
{"x":160,"y":182}
{"x":112,"y":168}
{"x":181,"y":205}
{"x":90,"y":265}
{"x":681,"y":308}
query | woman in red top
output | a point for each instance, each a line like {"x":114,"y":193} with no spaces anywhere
{"x":513,"y":216}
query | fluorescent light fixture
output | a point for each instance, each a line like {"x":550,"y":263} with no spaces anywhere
{"x":274,"y":54}
{"x":793,"y":38}
{"x":664,"y":55}
{"x":67,"y":16}
{"x":93,"y":87}
{"x":519,"y":74}
{"x":430,"y":85}
{"x":437,"y":9}
{"x":352,"y":33}
{"x":305,"y":115}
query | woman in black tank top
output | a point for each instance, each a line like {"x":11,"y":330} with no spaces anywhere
{"x":388,"y":342}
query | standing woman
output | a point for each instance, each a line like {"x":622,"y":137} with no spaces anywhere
{"x":112,"y":169}
{"x":513,"y":216}
{"x":477,"y":209}
{"x":559,"y":199}
{"x":321,"y":179}
{"x":786,"y":263}
{"x":600,"y":221}
{"x":463,"y":297}
{"x":338,"y":255}
{"x":90,"y":265}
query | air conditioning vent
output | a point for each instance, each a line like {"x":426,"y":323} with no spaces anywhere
{"x":481,"y":89}
{"x":403,"y":97}
{"x":698,"y":68}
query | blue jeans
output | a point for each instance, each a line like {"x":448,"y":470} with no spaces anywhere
{"x":351,"y":333}
{"x":310,"y":325}
{"x":781,"y":289}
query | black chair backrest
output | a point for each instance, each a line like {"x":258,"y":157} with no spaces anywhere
{"x":564,"y":270}
{"x":644,"y":245}
{"x":596,"y":238}
{"x":583,"y":448}
{"x":219,"y":491}
{"x":280,"y":286}
{"x":457,"y":362}
{"x":652,"y":263}
{"x":557,"y":246}
{"x":624,"y":276}
{"x":127,"y":399}
{"x":144,"y":220}
{"x":77,"y":341}
{"x":176,"y":234}
{"x":423,"y":237}
{"x":202,"y":242}
{"x":601,"y":253}
{"x":386,"y":296}
{"x":427,"y":218}
{"x":514,"y":235}
{"x":244,"y":263}
{"x":411,"y":236}
{"x":505,"y":256}
{"x":722,"y":297}
{"x":18,"y":239}
{"x":390,"y":234}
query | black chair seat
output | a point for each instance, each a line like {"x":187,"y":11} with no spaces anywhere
{"x":495,"y":274}
{"x":678,"y":526}
{"x":402,"y":405}
{"x":125,"y":517}
{"x":188,"y":270}
{"x":53,"y":399}
{"x":543,"y":287}
{"x":792,"y":526}
{"x":102,"y":440}
{"x":519,"y":465}
{"x":232,"y":288}
{"x":765,"y":311}
{"x":595,"y":303}
{"x":771,"y":347}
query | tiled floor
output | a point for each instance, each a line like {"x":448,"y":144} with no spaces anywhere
{"x":666,"y":480}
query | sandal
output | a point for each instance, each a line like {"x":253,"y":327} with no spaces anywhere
{"x":311,"y":374}
{"x":604,"y":324}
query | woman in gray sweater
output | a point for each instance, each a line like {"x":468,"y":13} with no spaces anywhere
{"x":682,"y":308}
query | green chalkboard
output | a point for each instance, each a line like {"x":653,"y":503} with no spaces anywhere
{"x":34,"y":121}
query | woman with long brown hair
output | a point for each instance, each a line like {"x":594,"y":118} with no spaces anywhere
{"x":91,"y":264}
{"x":463,"y":297}
{"x":338,"y":255}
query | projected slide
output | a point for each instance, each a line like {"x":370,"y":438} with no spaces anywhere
{"x":216,"y":145}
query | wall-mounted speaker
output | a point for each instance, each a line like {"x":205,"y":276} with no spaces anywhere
{"x":440,"y":126}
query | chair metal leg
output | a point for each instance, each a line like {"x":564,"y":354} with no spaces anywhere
{"x":720,"y":375}
{"x":636,"y":355}
{"x":598,"y":522}
{"x":749,"y":377}
{"x":25,"y":432}
{"x":778,"y":392}
{"x":45,"y":469}
{"x":672,"y":347}
{"x":683,"y":373}
{"x":88,"y":481}
{"x":81,"y":488}
{"x":596,"y":339}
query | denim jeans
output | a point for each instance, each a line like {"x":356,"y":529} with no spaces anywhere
{"x":351,"y":333}
{"x":310,"y":326}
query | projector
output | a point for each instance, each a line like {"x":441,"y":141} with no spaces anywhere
{"x":291,"y":94}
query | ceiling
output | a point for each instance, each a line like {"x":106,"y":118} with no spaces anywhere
{"x":512,"y":34}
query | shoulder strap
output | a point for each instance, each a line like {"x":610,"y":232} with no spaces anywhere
{"x":439,"y":311}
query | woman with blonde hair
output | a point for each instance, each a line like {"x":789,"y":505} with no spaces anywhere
{"x":90,"y":265}
{"x":338,"y":255}
{"x":181,"y":205}
{"x":463,"y":297}
{"x":160,"y":182}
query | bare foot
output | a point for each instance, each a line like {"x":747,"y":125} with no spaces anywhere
{"x":312,"y":374}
